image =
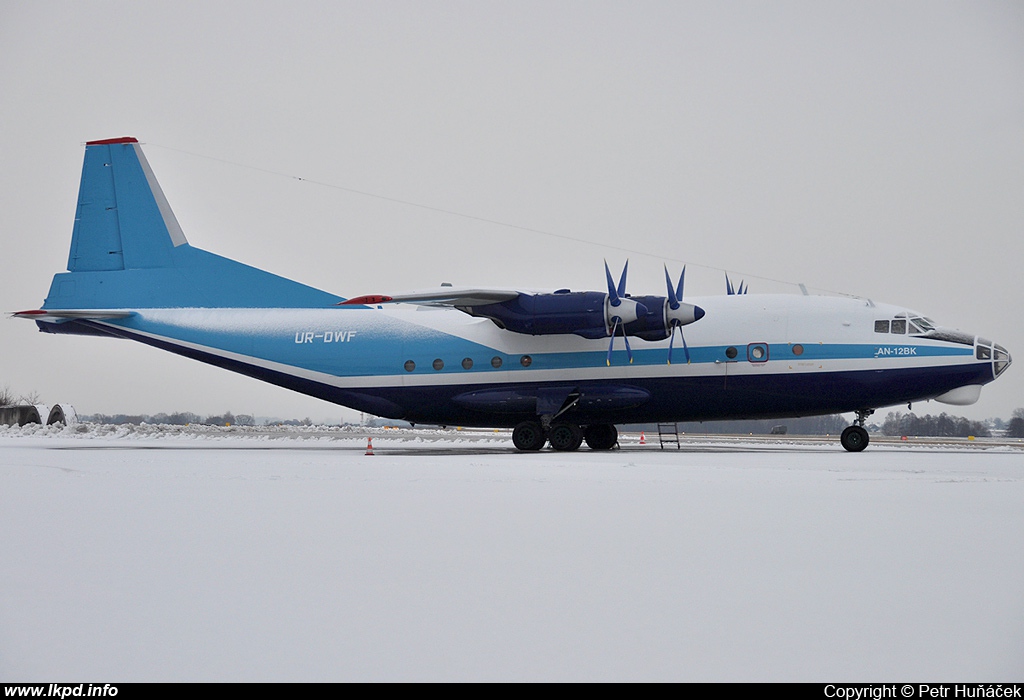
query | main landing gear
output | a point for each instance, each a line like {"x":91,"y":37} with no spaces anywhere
{"x":855,"y":437}
{"x":530,"y":436}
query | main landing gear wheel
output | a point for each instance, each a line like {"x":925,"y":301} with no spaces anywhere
{"x":854,"y":438}
{"x":601,"y":437}
{"x":565,"y":437}
{"x":528,"y":436}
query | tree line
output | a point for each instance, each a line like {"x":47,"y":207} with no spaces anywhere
{"x":942,"y":425}
{"x":180,"y":418}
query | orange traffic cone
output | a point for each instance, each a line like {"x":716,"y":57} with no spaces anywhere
{"x":369,"y":447}
{"x":643,"y":440}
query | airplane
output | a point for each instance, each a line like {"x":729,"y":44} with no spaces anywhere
{"x":556,"y":367}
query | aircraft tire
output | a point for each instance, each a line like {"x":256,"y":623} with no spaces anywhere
{"x":565,"y":437}
{"x":854,"y":438}
{"x":528,"y":436}
{"x":601,"y":437}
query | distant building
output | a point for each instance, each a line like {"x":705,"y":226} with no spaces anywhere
{"x":27,"y":414}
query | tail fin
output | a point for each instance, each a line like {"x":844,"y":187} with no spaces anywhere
{"x":123,"y":220}
{"x":128,"y":251}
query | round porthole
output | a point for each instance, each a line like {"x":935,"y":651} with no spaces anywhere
{"x":467,"y":363}
{"x":495,"y":362}
{"x":757,"y":352}
{"x":410,"y":365}
{"x":798,"y":349}
{"x":731,"y":352}
{"x":526,"y":360}
{"x":439,"y":364}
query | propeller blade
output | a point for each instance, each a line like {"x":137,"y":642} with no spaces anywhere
{"x":686,"y":349}
{"x":613,"y":296}
{"x":611,"y":343}
{"x":679,"y":288}
{"x":622,"y":280}
{"x":728,"y":285}
{"x":673,"y":299}
{"x":629,"y":353}
{"x":672,"y":339}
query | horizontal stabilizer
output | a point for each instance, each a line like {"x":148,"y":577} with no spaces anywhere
{"x":71,"y":314}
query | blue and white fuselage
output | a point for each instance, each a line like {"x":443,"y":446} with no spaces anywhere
{"x":748,"y":356}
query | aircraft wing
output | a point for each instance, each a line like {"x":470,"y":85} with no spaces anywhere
{"x":442,"y":296}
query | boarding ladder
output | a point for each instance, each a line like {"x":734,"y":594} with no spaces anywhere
{"x":668,"y":434}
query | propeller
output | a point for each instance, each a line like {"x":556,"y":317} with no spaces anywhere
{"x":620,"y":310}
{"x":729,"y":289}
{"x":678,"y":314}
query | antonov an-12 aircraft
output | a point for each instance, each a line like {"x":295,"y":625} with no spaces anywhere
{"x":559,"y":368}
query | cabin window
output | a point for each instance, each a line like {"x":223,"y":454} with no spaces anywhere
{"x":731,"y":353}
{"x":757,"y":352}
{"x":882,"y":326}
{"x":467,"y":363}
{"x":495,"y":362}
{"x":439,"y":364}
{"x":899,"y":326}
{"x":798,"y":349}
{"x":526,"y":360}
{"x":410,"y":365}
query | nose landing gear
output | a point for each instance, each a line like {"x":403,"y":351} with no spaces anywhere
{"x":855,"y":437}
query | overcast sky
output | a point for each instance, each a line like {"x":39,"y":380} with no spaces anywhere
{"x":868,"y":148}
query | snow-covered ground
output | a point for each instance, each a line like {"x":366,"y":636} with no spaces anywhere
{"x":157,"y":553}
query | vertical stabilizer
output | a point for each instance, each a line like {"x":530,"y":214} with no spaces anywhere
{"x":123,"y":221}
{"x":128,"y":250}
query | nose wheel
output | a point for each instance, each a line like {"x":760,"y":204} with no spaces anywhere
{"x":855,"y":437}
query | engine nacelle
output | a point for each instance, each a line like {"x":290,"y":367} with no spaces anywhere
{"x":587,"y":314}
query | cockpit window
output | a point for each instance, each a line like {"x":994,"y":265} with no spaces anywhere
{"x":1002,"y":359}
{"x":904,"y":323}
{"x":984,"y":353}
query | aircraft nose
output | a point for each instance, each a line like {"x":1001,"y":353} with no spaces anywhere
{"x":986,"y":350}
